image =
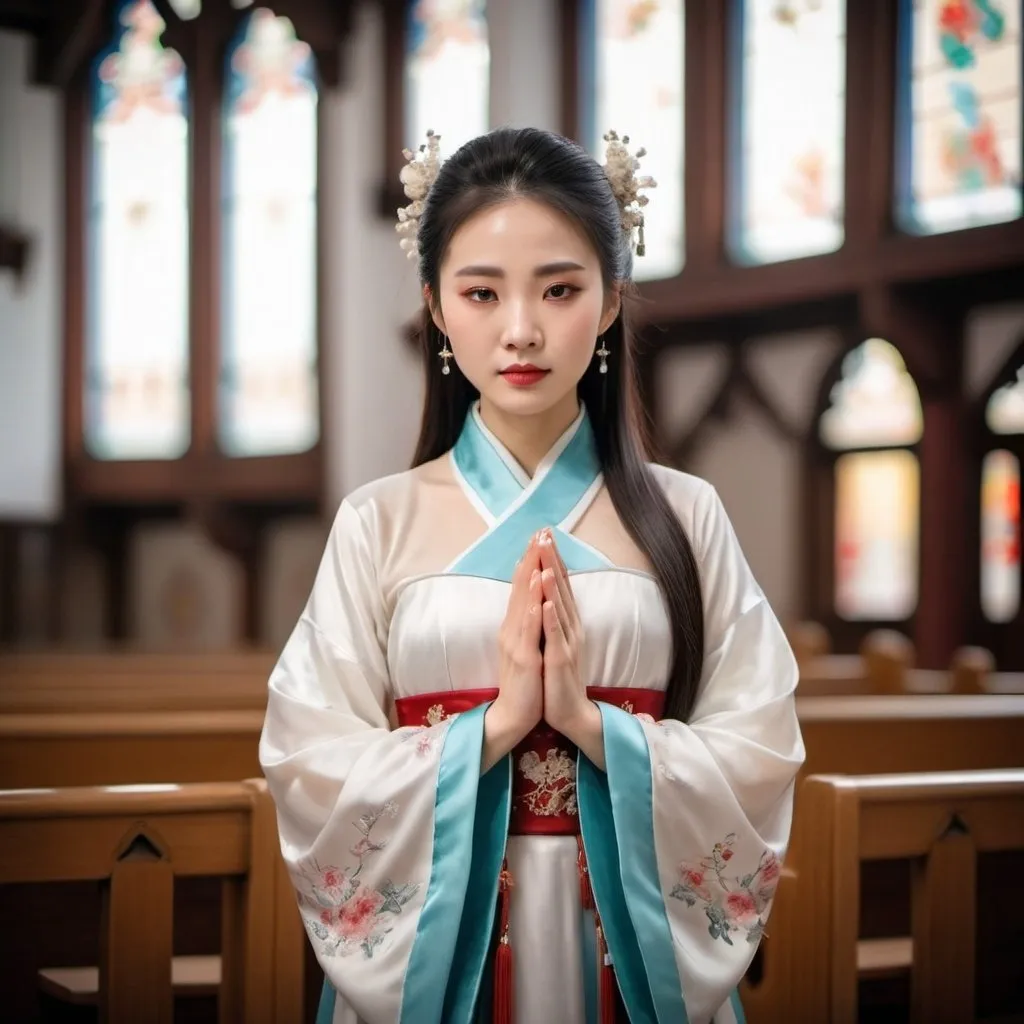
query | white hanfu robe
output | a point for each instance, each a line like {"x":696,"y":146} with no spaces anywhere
{"x":395,"y":841}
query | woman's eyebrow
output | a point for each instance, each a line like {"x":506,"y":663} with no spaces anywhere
{"x":480,"y":270}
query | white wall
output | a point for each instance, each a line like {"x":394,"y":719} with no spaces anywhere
{"x":373,"y":418}
{"x":31,"y":178}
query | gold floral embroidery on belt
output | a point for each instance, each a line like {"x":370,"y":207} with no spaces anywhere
{"x":435,"y":714}
{"x":554,"y":782}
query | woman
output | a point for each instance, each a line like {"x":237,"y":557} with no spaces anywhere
{"x":533,"y":741}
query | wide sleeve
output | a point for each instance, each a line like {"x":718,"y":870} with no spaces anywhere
{"x":690,"y":822}
{"x":394,"y":869}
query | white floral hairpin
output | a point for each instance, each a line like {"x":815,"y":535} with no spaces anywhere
{"x":422,"y":167}
{"x":621,"y":166}
{"x":419,"y":173}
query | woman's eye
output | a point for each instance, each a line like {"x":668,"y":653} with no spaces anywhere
{"x":480,"y":294}
{"x":561,"y":291}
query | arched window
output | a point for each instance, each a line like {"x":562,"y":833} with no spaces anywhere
{"x":137,"y":399}
{"x":869,"y":429}
{"x":789,"y":160}
{"x":631,"y":61}
{"x":447,"y":72}
{"x":268,"y":392}
{"x":999,"y":554}
{"x":959,"y":123}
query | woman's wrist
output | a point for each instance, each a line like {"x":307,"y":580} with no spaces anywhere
{"x":586,"y":730}
{"x":501,"y":734}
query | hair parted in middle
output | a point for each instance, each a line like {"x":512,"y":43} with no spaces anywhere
{"x":529,"y":163}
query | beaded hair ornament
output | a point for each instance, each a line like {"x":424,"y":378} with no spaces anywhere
{"x":620,"y":167}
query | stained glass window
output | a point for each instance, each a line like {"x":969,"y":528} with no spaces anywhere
{"x":875,"y":403}
{"x":633,"y":70}
{"x":789,"y":187}
{"x":960,"y":124}
{"x":269,"y":400}
{"x":447,"y":72}
{"x":137,"y":391}
{"x":876,"y":541}
{"x":187,"y":9}
{"x":1005,"y":411}
{"x":1000,"y":536}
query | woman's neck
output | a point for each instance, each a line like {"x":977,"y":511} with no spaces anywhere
{"x":529,"y":438}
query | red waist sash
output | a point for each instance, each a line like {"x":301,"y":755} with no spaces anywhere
{"x":544,"y":763}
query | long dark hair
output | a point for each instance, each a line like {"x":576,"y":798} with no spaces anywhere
{"x":518,"y":163}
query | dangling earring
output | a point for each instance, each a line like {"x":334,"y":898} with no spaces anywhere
{"x":446,"y":354}
{"x":603,"y":353}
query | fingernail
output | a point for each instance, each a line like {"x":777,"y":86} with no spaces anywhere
{"x":533,"y":577}
{"x":548,"y":574}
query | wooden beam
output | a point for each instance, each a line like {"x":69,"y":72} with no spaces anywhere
{"x":70,"y":37}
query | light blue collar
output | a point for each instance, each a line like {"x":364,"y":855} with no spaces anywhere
{"x":515,"y":506}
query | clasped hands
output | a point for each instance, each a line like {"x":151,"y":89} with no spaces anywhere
{"x":541,"y":655}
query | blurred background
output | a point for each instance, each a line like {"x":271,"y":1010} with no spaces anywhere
{"x":204,"y":311}
{"x":205,"y":343}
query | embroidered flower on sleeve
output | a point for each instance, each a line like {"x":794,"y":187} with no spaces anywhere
{"x":343,"y":913}
{"x":732,"y":903}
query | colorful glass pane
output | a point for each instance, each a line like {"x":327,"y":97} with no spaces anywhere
{"x":789,"y":199}
{"x":960,"y":129}
{"x":1000,"y":536}
{"x":269,"y":393}
{"x":636,"y":84}
{"x":447,"y":72}
{"x":187,"y":9}
{"x":875,"y":403}
{"x":137,"y":391}
{"x":876,"y":537}
{"x":1005,"y":411}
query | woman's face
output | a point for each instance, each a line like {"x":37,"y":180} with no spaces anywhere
{"x":521,"y":286}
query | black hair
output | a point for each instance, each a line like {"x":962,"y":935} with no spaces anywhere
{"x":530,"y":163}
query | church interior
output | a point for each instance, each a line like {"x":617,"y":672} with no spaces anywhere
{"x":206,"y":343}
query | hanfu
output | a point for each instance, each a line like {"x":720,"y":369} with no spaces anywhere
{"x":637,"y":893}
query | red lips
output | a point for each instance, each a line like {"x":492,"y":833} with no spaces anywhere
{"x":523,"y":375}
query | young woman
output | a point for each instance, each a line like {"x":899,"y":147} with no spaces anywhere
{"x":533,"y":740}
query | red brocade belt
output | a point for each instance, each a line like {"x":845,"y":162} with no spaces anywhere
{"x":544,"y":763}
{"x":543,"y":803}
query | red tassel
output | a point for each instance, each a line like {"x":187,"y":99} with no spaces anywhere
{"x":607,"y":988}
{"x":504,"y":1008}
{"x":586,"y":892}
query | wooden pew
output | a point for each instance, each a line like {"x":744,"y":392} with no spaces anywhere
{"x":938,"y":821}
{"x":861,"y":735}
{"x":136,"y":841}
{"x":114,"y":717}
{"x":885,"y":665}
{"x":56,"y":682}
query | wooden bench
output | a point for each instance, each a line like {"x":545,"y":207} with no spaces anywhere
{"x":55,"y":682}
{"x":109,"y":748}
{"x":885,"y":665}
{"x":135,"y":841}
{"x":939,"y":822}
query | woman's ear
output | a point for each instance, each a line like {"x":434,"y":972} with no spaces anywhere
{"x":612,"y":305}
{"x":435,"y":309}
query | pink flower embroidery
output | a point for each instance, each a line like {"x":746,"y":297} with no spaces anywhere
{"x":731,"y":902}
{"x":344,"y":914}
{"x":740,"y":907}
{"x":356,"y":919}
